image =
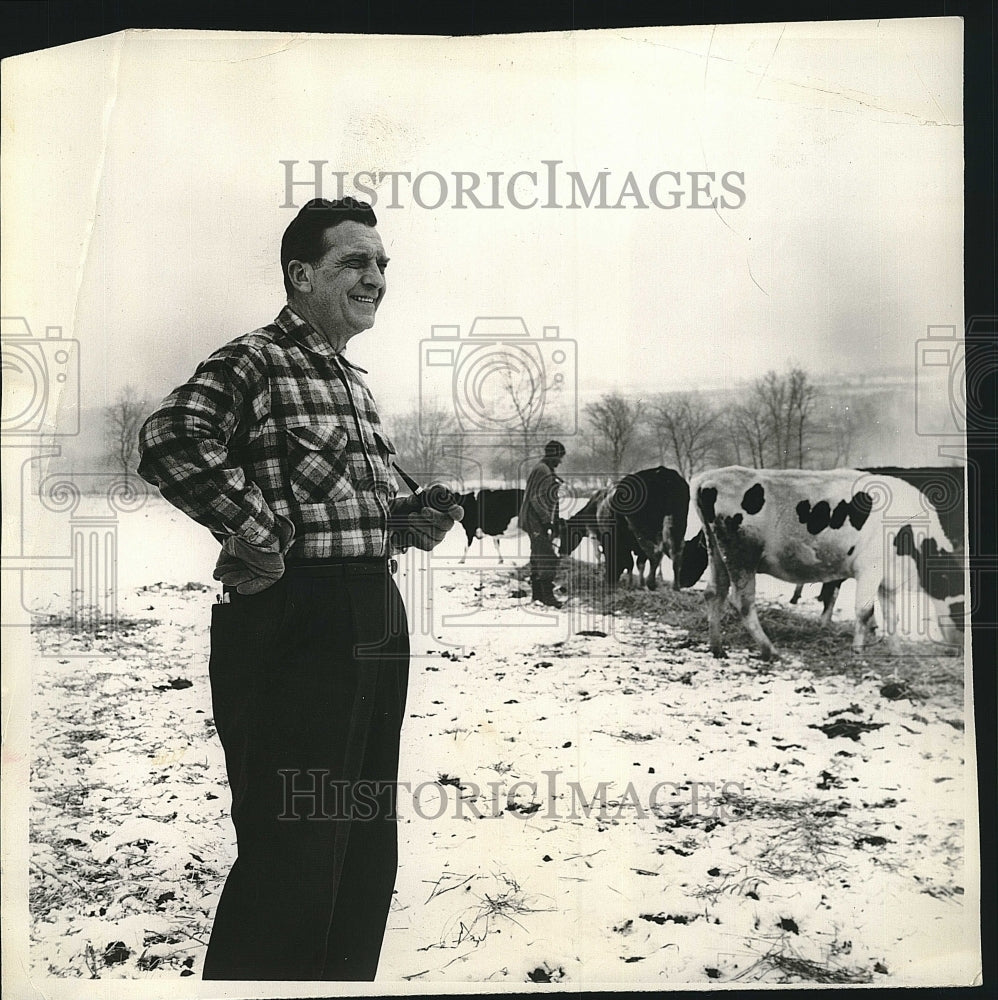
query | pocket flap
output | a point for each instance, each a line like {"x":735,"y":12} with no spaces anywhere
{"x":382,"y":438}
{"x":319,"y":437}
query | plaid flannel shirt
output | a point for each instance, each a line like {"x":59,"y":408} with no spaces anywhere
{"x":275,"y":422}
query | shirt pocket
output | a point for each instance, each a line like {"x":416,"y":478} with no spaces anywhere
{"x":318,"y":465}
{"x":386,"y":450}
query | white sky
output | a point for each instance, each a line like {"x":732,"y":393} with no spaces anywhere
{"x":142,"y":193}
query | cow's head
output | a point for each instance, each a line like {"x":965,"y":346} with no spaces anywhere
{"x":694,"y":560}
{"x":561,"y":535}
{"x":941,"y":575}
{"x":952,"y":622}
{"x":569,"y":535}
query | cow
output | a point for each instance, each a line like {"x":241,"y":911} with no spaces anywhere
{"x":582,"y":524}
{"x":489,"y":512}
{"x":598,"y":521}
{"x":807,"y":526}
{"x":943,"y":489}
{"x":616,"y":543}
{"x":643,"y":518}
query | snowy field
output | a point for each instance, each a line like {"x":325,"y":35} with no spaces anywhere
{"x":593,"y":799}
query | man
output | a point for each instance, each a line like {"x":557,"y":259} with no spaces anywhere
{"x":537,"y":518}
{"x":275,"y":445}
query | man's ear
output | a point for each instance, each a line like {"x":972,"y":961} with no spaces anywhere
{"x":300,"y":275}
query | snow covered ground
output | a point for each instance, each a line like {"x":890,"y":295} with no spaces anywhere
{"x":592,"y":798}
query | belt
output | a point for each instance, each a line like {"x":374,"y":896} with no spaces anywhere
{"x":357,"y":566}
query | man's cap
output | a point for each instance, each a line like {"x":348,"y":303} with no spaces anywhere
{"x":554,"y":449}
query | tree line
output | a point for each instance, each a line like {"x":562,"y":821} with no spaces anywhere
{"x":777,"y":421}
{"x":781,"y":420}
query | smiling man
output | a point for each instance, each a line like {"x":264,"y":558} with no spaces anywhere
{"x":275,"y":445}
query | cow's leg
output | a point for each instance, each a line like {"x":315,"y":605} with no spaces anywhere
{"x":611,"y":568}
{"x":653,"y":564}
{"x":677,"y":544}
{"x":829,"y":595}
{"x":866,"y":589}
{"x":467,"y":549}
{"x":715,"y":595}
{"x":743,"y":584}
{"x":647,"y":575}
{"x":798,"y":590}
{"x":888,"y":608}
{"x":597,"y":551}
{"x":495,"y":538}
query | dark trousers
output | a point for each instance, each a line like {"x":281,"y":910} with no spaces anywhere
{"x":308,"y":683}
{"x":543,"y":561}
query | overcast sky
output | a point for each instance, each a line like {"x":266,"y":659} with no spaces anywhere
{"x":144,"y":193}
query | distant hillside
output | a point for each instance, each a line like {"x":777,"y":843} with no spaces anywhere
{"x":886,"y":437}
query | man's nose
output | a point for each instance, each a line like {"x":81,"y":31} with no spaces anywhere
{"x":374,"y":277}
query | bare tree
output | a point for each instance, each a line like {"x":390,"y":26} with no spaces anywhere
{"x":776,"y":418}
{"x":509,"y":394}
{"x":614,"y":420}
{"x":424,"y":439}
{"x":801,"y":400}
{"x":686,"y":427}
{"x":506,"y":459}
{"x":749,"y":431}
{"x":848,"y":419}
{"x":122,"y":421}
{"x":529,"y":396}
{"x":771,"y":394}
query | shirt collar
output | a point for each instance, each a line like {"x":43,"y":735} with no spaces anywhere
{"x":307,"y":336}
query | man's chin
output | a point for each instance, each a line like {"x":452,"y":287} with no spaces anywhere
{"x":364,"y":319}
{"x":360,"y":324}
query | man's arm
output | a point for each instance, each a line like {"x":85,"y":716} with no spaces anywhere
{"x":539,"y":496}
{"x":185,"y":446}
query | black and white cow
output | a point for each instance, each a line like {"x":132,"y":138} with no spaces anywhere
{"x":644,"y":518}
{"x":582,"y":524}
{"x":616,"y":544}
{"x":943,"y":488}
{"x":489,"y":512}
{"x":807,"y":526}
{"x":598,"y":521}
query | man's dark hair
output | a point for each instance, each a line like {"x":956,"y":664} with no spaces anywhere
{"x":304,"y":238}
{"x":554,"y":449}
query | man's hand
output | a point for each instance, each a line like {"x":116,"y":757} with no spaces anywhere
{"x":252,"y":568}
{"x":428,"y":527}
{"x":420,"y":527}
